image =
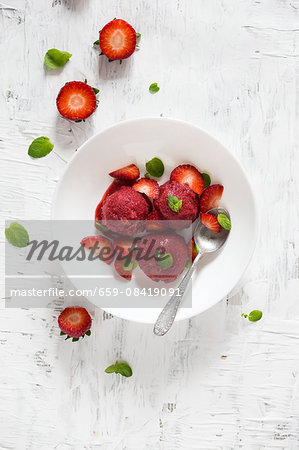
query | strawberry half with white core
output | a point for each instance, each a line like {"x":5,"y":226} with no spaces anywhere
{"x":125,"y":270}
{"x":211,"y":197}
{"x":125,"y":266}
{"x":193,"y":249}
{"x":187,"y":174}
{"x":118,"y":39}
{"x":210,"y":221}
{"x":75,"y":322}
{"x":76,"y":100}
{"x":130,"y":172}
{"x":101,"y":247}
{"x":148,"y":187}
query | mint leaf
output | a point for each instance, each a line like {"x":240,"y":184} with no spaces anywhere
{"x":189,"y":264}
{"x":174,"y":203}
{"x":17,"y":235}
{"x":159,"y":254}
{"x":154,"y":87}
{"x":123,"y":369}
{"x":110,"y":369}
{"x":129,"y":265}
{"x":40,"y":147}
{"x":101,"y":227}
{"x":155,"y":167}
{"x":206,"y":179}
{"x":120,"y":367}
{"x":54,"y":59}
{"x":97,"y":42}
{"x":224,"y":221}
{"x":138,"y":35}
{"x":96,"y":90}
{"x":165,"y":260}
{"x":255,"y":315}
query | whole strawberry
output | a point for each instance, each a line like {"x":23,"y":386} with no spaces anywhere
{"x":74,"y":322}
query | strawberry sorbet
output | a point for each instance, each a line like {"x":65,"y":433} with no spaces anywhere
{"x":189,"y":209}
{"x":124,"y":211}
{"x":169,"y":269}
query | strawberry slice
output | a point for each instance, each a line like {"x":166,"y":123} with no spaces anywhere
{"x":103,"y":246}
{"x":74,"y":321}
{"x":118,"y":39}
{"x":76,"y":100}
{"x":114,"y":186}
{"x":130,"y":172}
{"x":123,"y":266}
{"x":193,"y":249}
{"x":148,"y":187}
{"x":124,"y":270}
{"x":187,"y":174}
{"x":153,"y":221}
{"x":211,"y":197}
{"x":210,"y":221}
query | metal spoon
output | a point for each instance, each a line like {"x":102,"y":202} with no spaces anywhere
{"x":207,"y":241}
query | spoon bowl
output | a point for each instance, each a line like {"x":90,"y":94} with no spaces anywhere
{"x":207,"y":240}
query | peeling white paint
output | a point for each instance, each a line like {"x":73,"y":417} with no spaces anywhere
{"x":216,"y":381}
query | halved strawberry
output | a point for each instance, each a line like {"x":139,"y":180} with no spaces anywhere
{"x":111,"y":189}
{"x":153,"y":221}
{"x":118,"y":39}
{"x":123,"y":269}
{"x":76,"y":100}
{"x":211,"y":197}
{"x":210,"y":221}
{"x":75,"y":322}
{"x":187,"y":174}
{"x":103,"y":246}
{"x":193,"y":249}
{"x":148,"y":187}
{"x":124,"y":266}
{"x":114,"y":186}
{"x":130,"y":172}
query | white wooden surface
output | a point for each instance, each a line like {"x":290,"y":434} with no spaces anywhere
{"x":216,"y":381}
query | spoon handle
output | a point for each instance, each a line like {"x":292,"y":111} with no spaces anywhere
{"x":168,"y":313}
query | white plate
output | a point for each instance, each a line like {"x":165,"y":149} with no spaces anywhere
{"x":175,"y":142}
